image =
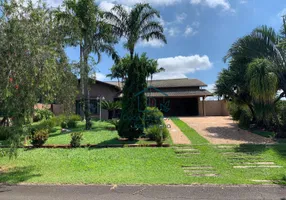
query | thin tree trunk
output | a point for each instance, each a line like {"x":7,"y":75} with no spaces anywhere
{"x":82,"y":80}
{"x":252,"y":112}
{"x":86,"y":93}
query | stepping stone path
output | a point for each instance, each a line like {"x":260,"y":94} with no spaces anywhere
{"x":178,"y":137}
{"x":245,"y":159}
{"x":200,"y":171}
{"x":185,"y":151}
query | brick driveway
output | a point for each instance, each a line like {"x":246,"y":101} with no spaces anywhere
{"x":223,"y":130}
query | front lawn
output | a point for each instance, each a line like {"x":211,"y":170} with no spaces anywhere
{"x":199,"y":163}
{"x":101,"y":133}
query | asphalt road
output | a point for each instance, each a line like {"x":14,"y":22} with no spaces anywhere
{"x":81,"y":192}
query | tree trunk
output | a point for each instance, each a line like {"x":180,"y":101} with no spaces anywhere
{"x":252,"y":112}
{"x":86,"y":93}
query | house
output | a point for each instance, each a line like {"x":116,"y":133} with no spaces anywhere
{"x":174,"y":97}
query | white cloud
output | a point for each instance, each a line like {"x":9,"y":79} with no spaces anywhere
{"x":282,"y":13}
{"x":196,"y":24}
{"x":152,"y":43}
{"x":173,"y":31}
{"x":181,"y":17}
{"x":153,"y":2}
{"x":180,"y":66}
{"x":101,"y":77}
{"x":243,"y":1}
{"x":107,"y":6}
{"x":213,"y":4}
{"x":189,"y":31}
{"x":168,"y":75}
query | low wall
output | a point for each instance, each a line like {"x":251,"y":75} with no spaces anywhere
{"x":213,"y":108}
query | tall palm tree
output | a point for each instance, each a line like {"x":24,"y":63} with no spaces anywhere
{"x":83,"y":23}
{"x":138,"y":24}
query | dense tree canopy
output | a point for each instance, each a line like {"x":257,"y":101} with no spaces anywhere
{"x":33,"y":63}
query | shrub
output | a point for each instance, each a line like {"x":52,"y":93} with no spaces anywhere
{"x":76,"y":139}
{"x":153,"y":116}
{"x":39,"y":137}
{"x":244,"y":119}
{"x":158,"y":134}
{"x":75,"y":118}
{"x":72,"y":124}
{"x":64,"y":124}
{"x":59,"y":119}
{"x":45,"y":124}
{"x":42,"y":114}
{"x":114,"y":122}
{"x":4,"y":132}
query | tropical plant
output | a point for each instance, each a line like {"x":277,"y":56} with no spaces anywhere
{"x":76,"y":138}
{"x":111,"y":107}
{"x":259,"y":59}
{"x":85,"y":27}
{"x":157,"y":133}
{"x":39,"y":137}
{"x":138,"y":24}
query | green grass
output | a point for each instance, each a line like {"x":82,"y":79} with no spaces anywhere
{"x":145,"y":165}
{"x":101,"y":133}
{"x":193,"y":136}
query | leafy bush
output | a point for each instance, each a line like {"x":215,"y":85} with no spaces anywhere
{"x":158,"y":134}
{"x":42,"y":114}
{"x":64,"y":124}
{"x":114,"y":122}
{"x":39,"y":137}
{"x":76,"y":139}
{"x":59,"y":119}
{"x":153,"y":116}
{"x":244,"y":119}
{"x":234,"y":110}
{"x":72,"y":124}
{"x":45,"y":124}
{"x":74,"y":118}
{"x":4,"y":132}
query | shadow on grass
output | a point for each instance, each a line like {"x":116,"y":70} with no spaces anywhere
{"x":17,"y":175}
{"x":280,"y":149}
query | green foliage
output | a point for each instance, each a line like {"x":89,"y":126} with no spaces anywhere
{"x":131,"y":124}
{"x":64,"y":124}
{"x":114,"y":122}
{"x":39,"y":137}
{"x":72,"y":124}
{"x":138,"y":24}
{"x":34,"y":65}
{"x":158,"y":133}
{"x":153,"y":116}
{"x":41,"y":114}
{"x":244,"y":119}
{"x":4,"y":132}
{"x":111,"y":107}
{"x":45,"y":124}
{"x":76,"y":138}
{"x":85,"y":27}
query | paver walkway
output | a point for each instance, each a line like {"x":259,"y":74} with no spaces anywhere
{"x":223,"y":130}
{"x":176,"y":134}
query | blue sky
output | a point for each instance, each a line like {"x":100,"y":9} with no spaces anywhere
{"x":199,"y":33}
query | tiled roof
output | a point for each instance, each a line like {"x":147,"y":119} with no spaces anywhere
{"x":170,"y":83}
{"x":178,"y":93}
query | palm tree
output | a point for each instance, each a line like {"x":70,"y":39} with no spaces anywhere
{"x":263,"y":87}
{"x":138,"y":24}
{"x":84,"y":26}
